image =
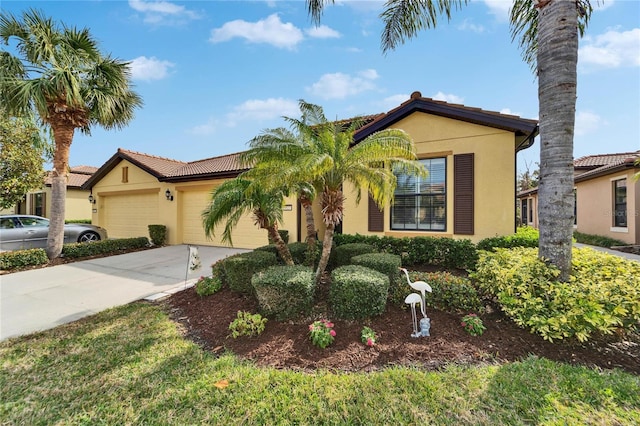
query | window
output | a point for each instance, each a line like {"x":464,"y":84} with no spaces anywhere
{"x":38,"y":204}
{"x":420,"y":203}
{"x":575,"y":206}
{"x":620,"y":203}
{"x":524,"y":211}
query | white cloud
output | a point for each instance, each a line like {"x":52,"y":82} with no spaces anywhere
{"x":147,"y":69}
{"x":205,"y":129}
{"x":612,"y":49}
{"x":508,"y":111}
{"x":322,"y":31}
{"x":393,"y":101}
{"x":162,"y":12}
{"x":499,"y":8}
{"x":467,"y":25}
{"x":262,"y":110}
{"x":270,"y":30}
{"x":339,"y":85}
{"x":587,"y":122}
{"x":450,"y":98}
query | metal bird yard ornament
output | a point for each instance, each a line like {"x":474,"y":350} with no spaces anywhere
{"x":413,"y":299}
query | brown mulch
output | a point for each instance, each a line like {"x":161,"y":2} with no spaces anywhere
{"x":286,"y":344}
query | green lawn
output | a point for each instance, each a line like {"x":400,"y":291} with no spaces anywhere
{"x":130,"y":365}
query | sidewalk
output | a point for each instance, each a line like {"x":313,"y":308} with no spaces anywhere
{"x":45,"y":298}
{"x":629,"y":256}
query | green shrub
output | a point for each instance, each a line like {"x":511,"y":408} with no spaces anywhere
{"x":239,"y":268}
{"x":247,"y":324}
{"x":358,"y":292}
{"x":525,"y":236}
{"x":114,"y":246}
{"x":158,"y":234}
{"x":603,"y":293}
{"x":449,"y":292}
{"x":85,"y":221}
{"x":439,"y":251}
{"x":341,"y":255}
{"x":284,"y":291}
{"x":284,"y":234}
{"x":385,"y":263}
{"x":206,"y":286}
{"x":597,"y":240}
{"x":22,"y":258}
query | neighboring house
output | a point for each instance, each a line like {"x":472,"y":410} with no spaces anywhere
{"x":607,"y":197}
{"x":470,"y":191}
{"x":77,"y":205}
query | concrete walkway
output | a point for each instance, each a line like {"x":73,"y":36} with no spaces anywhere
{"x":45,"y":298}
{"x":629,"y":256}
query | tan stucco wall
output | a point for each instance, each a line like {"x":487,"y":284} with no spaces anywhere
{"x":595,"y":207}
{"x":494,"y":175}
{"x":77,"y":204}
{"x":172,"y":214}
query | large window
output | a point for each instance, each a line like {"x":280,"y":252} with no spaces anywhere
{"x":620,"y":203}
{"x":420,"y":203}
{"x":524,"y":211}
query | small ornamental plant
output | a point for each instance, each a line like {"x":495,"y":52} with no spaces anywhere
{"x":368,"y":336}
{"x":206,"y":286}
{"x":247,"y":324}
{"x":322,"y":333}
{"x":473,"y":325}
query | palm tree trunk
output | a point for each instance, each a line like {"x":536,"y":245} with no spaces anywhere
{"x":281,"y":246}
{"x":557,"y":61}
{"x":63,"y":136}
{"x":327,"y":242}
{"x":307,"y":205}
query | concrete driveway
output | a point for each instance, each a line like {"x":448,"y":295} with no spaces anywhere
{"x":45,"y":298}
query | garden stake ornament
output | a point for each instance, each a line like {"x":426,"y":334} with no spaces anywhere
{"x":412,"y":299}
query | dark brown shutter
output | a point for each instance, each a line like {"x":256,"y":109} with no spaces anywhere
{"x":376,"y":217}
{"x":463,"y":194}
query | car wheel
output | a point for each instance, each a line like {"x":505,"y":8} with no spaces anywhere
{"x":88,"y":237}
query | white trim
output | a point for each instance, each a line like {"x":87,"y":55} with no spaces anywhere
{"x":619,"y":229}
{"x":611,"y":179}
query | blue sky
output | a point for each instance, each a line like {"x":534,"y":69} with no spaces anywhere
{"x":214,"y":74}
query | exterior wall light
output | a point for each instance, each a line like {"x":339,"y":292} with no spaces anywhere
{"x":91,"y":199}
{"x":168,"y":194}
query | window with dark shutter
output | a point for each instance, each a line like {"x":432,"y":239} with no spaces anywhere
{"x":463,"y":194}
{"x":376,"y":217}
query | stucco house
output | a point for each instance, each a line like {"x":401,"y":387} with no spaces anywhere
{"x":607,"y":197}
{"x":77,"y":205}
{"x":470,"y":191}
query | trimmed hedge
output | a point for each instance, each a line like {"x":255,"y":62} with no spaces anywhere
{"x":525,"y":236}
{"x":358,"y":292}
{"x":439,"y":251}
{"x":22,"y":258}
{"x":385,"y":263}
{"x":341,"y":255}
{"x":602,"y":296}
{"x":158,"y":234}
{"x":84,"y":221}
{"x":284,"y":292}
{"x":450,"y":293}
{"x":597,"y":240}
{"x":239,"y":268}
{"x":76,"y":250}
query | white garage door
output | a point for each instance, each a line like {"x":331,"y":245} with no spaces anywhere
{"x":245,"y":235}
{"x":128,"y":216}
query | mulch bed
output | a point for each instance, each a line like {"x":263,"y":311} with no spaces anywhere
{"x":286,"y":344}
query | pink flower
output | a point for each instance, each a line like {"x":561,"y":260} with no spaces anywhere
{"x":329,"y":324}
{"x":369,"y":342}
{"x":332,"y":333}
{"x":310,"y":327}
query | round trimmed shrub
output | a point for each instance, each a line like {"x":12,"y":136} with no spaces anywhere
{"x":284,"y":292}
{"x":341,"y":255}
{"x":358,"y":292}
{"x":389,"y":265}
{"x":239,"y":268}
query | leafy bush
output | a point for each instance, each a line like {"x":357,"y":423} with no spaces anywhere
{"x":247,"y":324}
{"x":439,"y":251}
{"x":603,"y":294}
{"x":449,"y":292}
{"x":597,"y":240}
{"x":284,"y":291}
{"x":239,"y":268}
{"x":358,"y":292}
{"x":85,"y":221}
{"x":22,"y":258}
{"x":158,"y":234}
{"x":206,"y":286}
{"x":76,"y":250}
{"x":525,"y":236}
{"x":299,"y":252}
{"x":341,"y":255}
{"x":385,"y":263}
{"x":284,"y":234}
{"x":321,"y":333}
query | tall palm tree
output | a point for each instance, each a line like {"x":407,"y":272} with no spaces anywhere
{"x":60,"y":73}
{"x":237,"y":197}
{"x":324,"y":156}
{"x":548,"y":31}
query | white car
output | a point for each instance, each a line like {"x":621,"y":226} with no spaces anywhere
{"x":19,"y":232}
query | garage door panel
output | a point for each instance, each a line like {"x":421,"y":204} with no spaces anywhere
{"x":245,"y":235}
{"x":128,"y":216}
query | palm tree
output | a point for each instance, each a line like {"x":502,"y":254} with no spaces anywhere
{"x":236,"y":197}
{"x":548,"y":31}
{"x":61,"y":74}
{"x":323,"y":155}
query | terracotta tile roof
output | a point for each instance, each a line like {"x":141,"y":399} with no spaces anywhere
{"x":158,"y":166}
{"x":612,"y":163}
{"x":84,"y":170}
{"x":599,"y":160}
{"x":76,"y":180}
{"x":223,"y":164}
